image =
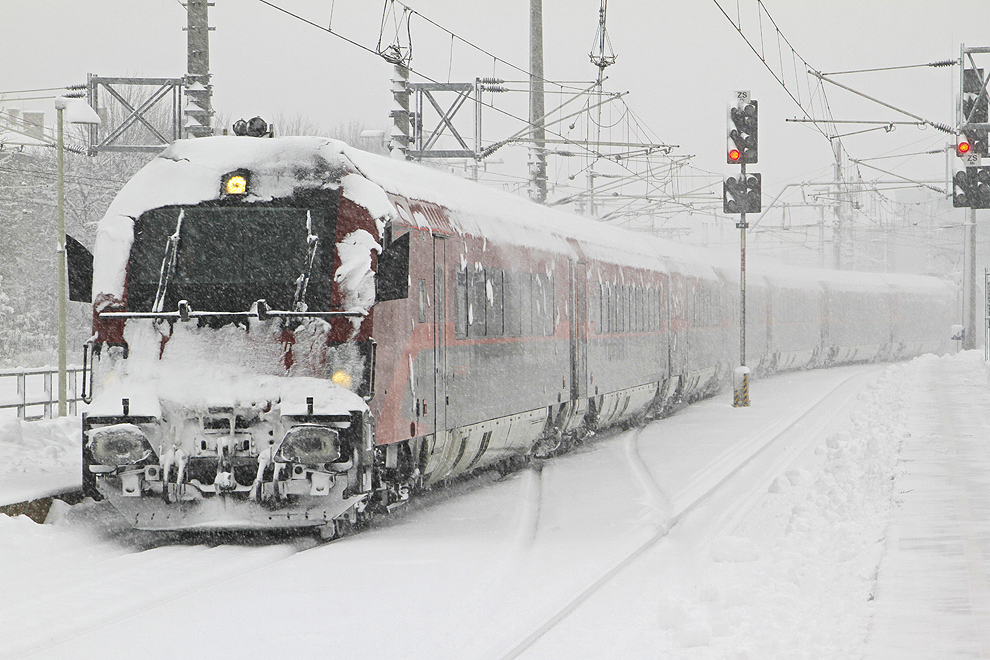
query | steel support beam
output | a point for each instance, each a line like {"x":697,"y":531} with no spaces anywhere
{"x":164,"y":100}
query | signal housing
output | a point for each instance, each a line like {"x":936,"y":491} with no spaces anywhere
{"x":742,"y":132}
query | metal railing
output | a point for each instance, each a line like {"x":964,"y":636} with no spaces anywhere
{"x":33,"y":393}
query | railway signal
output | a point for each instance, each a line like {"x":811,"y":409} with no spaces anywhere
{"x":741,"y":194}
{"x":971,"y":188}
{"x":975,"y":110}
{"x":742,"y":130}
{"x":963,"y":145}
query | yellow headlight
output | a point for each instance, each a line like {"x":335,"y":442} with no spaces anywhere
{"x":235,"y":185}
{"x":342,"y":378}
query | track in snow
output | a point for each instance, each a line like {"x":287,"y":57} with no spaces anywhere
{"x":483,"y":569}
{"x":94,"y":570}
{"x":791,"y":447}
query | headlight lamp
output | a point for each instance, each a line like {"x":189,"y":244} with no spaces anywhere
{"x":309,"y":444}
{"x":342,"y":378}
{"x":119,"y":444}
{"x":235,"y":183}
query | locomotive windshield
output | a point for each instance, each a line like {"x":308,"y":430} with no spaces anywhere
{"x":224,"y":258}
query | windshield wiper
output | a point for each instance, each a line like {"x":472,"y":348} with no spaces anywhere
{"x":302,"y":282}
{"x":168,"y":265}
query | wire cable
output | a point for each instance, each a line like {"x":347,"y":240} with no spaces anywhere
{"x":411,"y":70}
{"x":32,"y":91}
{"x":936,"y":65}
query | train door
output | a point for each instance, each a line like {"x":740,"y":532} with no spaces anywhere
{"x":439,"y":339}
{"x":775,"y":316}
{"x":890,"y":313}
{"x":825,"y":342}
{"x":579,"y":330}
{"x":677,"y":329}
{"x":661,"y":322}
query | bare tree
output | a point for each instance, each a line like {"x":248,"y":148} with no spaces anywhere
{"x":352,"y":133}
{"x":297,"y":124}
{"x":28,"y":241}
{"x":284,"y":123}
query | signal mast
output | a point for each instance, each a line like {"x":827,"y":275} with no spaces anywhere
{"x":742,"y":195}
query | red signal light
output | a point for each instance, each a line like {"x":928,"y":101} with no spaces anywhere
{"x":962,"y":147}
{"x":734,"y":155}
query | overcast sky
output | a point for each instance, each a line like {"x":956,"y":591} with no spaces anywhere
{"x":679,"y":59}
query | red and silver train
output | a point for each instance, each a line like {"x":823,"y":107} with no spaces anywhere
{"x":290,"y":332}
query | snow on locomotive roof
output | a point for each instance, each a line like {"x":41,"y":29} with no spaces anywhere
{"x":917,"y":283}
{"x":794,"y":277}
{"x":507,"y":218}
{"x":787,"y":276}
{"x":189,"y":172}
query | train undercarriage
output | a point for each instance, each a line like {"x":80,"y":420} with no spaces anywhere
{"x":231,"y":467}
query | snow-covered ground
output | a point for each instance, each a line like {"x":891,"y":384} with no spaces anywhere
{"x":933,"y":599}
{"x":717,"y":533}
{"x":38,"y":459}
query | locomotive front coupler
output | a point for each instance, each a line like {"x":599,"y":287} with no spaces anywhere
{"x":224,"y":481}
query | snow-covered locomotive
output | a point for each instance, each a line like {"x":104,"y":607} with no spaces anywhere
{"x":290,"y":332}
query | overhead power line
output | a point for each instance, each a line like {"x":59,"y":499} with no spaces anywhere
{"x":453,"y":35}
{"x":28,"y":98}
{"x":789,"y":69}
{"x":904,"y":178}
{"x":935,"y":125}
{"x":419,"y":73}
{"x":661,"y":180}
{"x":935,"y":65}
{"x":32,"y":91}
{"x":317,"y":25}
{"x":861,"y":121}
{"x":914,"y":153}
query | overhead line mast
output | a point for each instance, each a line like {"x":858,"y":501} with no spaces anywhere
{"x":601,"y":56}
{"x":537,"y":149}
{"x":198,"y":90}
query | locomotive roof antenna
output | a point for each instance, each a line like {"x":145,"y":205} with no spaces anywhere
{"x":602,"y":56}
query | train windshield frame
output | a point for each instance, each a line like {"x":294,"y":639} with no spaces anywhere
{"x":230,"y":255}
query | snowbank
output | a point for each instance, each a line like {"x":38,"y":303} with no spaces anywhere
{"x":794,"y":580}
{"x":39,"y":459}
{"x":797,"y":578}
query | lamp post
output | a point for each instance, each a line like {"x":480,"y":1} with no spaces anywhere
{"x":78,"y":113}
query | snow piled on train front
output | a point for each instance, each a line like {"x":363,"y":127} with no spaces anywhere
{"x":203,"y":368}
{"x":189,"y":172}
{"x":232,"y":367}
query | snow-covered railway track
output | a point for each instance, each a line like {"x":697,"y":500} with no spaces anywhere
{"x":486,"y":568}
{"x":755,"y":461}
{"x":98,"y":582}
